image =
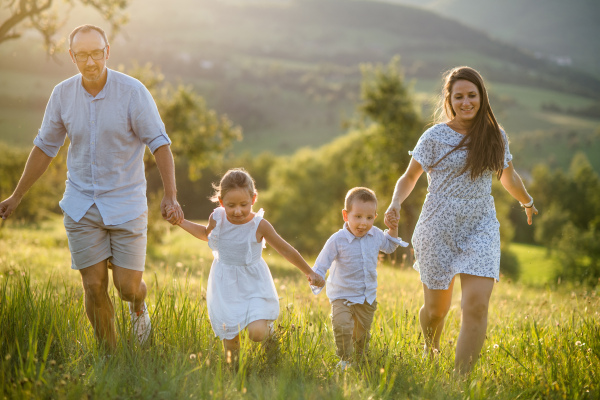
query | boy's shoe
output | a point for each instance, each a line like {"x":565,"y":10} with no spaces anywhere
{"x":343,"y":365}
{"x":140,"y":321}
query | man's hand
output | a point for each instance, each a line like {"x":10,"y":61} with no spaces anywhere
{"x":8,"y":206}
{"x":171,"y":210}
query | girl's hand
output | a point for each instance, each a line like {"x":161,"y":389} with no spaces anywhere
{"x":171,"y":212}
{"x":315,"y":279}
{"x":392,"y":216}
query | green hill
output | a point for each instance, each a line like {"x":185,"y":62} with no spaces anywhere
{"x":288,"y":71}
{"x":565,"y":32}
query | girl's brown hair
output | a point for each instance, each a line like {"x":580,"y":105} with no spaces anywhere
{"x":237,"y":178}
{"x":483,"y":141}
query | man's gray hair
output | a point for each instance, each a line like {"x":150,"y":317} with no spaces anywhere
{"x":87,"y":28}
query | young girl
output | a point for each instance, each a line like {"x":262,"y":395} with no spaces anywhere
{"x":240,"y":291}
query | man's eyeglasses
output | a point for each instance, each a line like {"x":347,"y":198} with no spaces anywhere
{"x":96,"y":55}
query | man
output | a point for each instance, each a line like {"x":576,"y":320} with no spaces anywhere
{"x":109,"y":118}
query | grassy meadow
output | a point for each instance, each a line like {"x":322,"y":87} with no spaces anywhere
{"x":543,"y":338}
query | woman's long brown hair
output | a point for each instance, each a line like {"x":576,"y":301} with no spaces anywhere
{"x":483,"y":141}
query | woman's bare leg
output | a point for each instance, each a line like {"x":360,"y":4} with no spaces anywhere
{"x":476,"y":292}
{"x":433,"y":314}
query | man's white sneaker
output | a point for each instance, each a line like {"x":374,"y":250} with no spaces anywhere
{"x":140,"y":322}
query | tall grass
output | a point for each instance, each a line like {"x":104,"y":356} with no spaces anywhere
{"x":542,"y":342}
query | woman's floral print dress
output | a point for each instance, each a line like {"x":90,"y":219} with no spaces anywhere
{"x":457,"y":231}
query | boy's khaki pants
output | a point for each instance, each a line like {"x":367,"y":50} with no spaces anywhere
{"x":351,"y":326}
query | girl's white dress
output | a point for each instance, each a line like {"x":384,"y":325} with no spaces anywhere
{"x":240,"y":286}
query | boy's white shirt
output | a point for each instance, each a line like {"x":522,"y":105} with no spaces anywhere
{"x":353,"y":263}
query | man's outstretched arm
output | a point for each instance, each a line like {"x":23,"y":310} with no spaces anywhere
{"x":36,"y":165}
{"x":166,"y":167}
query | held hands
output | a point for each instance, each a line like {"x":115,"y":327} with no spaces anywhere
{"x":392,"y":216}
{"x":315,"y":279}
{"x":171,"y":211}
{"x":170,"y":214}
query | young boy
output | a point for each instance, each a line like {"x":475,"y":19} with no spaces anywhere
{"x":352,"y":255}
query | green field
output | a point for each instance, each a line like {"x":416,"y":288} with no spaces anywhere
{"x":543,"y":339}
{"x":537,"y":266}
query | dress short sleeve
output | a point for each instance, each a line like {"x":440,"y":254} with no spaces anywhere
{"x":507,"y":156}
{"x":424,"y":152}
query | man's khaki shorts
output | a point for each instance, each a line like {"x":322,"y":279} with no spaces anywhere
{"x":91,"y":242}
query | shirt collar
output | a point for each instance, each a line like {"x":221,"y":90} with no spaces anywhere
{"x":102,"y":93}
{"x":350,"y":236}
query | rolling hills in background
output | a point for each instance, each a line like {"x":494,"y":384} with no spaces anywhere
{"x":288,"y":71}
{"x":565,"y":32}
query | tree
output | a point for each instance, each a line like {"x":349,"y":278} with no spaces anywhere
{"x":306,"y":191}
{"x":198,"y":134}
{"x":570,"y":226}
{"x":44,"y":17}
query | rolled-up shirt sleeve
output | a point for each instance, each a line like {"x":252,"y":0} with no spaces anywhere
{"x":146,"y":121}
{"x":51,"y":135}
{"x":389,"y":243}
{"x":326,"y":257}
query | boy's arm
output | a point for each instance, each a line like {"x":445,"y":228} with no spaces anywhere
{"x":326,"y":257}
{"x":392,"y":227}
{"x":390,"y":240}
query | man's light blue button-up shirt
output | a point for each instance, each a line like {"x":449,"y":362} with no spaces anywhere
{"x":353,"y":263}
{"x":108,"y":135}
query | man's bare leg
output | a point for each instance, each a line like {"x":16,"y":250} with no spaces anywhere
{"x":130,"y":286}
{"x":98,"y":306}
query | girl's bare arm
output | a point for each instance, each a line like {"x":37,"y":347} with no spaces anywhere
{"x":266,"y":230}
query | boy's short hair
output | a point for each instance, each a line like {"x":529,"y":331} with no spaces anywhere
{"x":359,"y":193}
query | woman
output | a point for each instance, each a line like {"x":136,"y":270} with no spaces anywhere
{"x":457,"y":232}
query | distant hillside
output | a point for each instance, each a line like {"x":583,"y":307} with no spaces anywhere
{"x":564,"y":31}
{"x":288,"y":71}
{"x":342,"y":32}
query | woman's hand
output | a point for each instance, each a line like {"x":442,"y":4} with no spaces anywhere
{"x":530,"y":211}
{"x":392,"y":216}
